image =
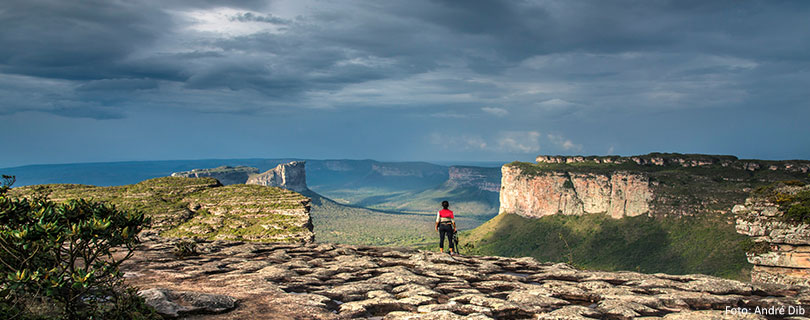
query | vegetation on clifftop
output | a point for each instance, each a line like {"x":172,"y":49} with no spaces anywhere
{"x":792,"y":197}
{"x":197,"y":207}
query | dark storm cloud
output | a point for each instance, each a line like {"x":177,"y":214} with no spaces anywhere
{"x":553,"y":58}
{"x":248,"y":16}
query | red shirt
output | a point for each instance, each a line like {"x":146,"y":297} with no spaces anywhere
{"x":445,"y":213}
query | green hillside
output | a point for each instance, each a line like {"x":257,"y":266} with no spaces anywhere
{"x":706,"y":244}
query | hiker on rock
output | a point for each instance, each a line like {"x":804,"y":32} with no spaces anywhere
{"x":446,"y":225}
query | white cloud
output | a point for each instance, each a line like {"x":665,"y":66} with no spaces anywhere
{"x":562,"y":142}
{"x":508,"y":142}
{"x":519,"y":141}
{"x":230,"y":22}
{"x":504,"y":142}
{"x":556,"y":104}
{"x":448,"y":115}
{"x":498,"y":112}
{"x":463,"y":142}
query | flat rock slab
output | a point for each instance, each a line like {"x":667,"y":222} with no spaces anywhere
{"x":170,"y":303}
{"x":330,"y":281}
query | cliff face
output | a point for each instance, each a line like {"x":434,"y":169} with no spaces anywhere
{"x":654,"y":184}
{"x":226,"y":175}
{"x":292,"y":176}
{"x":486,"y":179}
{"x":617,"y":194}
{"x":784,"y":254}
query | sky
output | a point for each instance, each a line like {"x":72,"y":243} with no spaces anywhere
{"x":95,"y":81}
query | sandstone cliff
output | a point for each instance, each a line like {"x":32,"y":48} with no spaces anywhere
{"x":783,"y":255}
{"x":226,"y":175}
{"x":291,"y":176}
{"x":485,"y":179}
{"x":201,"y":207}
{"x":653,"y":184}
{"x":617,"y":194}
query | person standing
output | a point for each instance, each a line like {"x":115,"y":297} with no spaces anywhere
{"x":446,"y":225}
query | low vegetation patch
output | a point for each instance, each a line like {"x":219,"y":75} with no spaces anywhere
{"x":706,"y":244}
{"x":792,"y":199}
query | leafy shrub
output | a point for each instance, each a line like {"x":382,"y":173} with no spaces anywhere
{"x":799,"y":209}
{"x":61,"y":255}
{"x":795,"y":205}
{"x":185,"y":248}
{"x":755,"y":248}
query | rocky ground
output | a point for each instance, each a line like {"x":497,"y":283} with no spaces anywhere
{"x":235,"y":280}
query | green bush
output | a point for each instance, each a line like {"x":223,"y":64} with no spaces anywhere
{"x":57,"y":261}
{"x":185,"y":248}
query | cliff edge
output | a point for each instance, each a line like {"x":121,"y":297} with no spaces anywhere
{"x":778,"y":220}
{"x":291,"y":176}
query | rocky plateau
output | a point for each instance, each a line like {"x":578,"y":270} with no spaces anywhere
{"x":239,"y":280}
{"x":291,"y":175}
{"x":226,"y":175}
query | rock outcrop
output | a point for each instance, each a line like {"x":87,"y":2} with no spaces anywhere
{"x":327,"y":281}
{"x":485,"y":179}
{"x":683,"y":160}
{"x":784,"y":246}
{"x":173,"y":304}
{"x":225,"y":174}
{"x":292,"y":176}
{"x":617,"y":194}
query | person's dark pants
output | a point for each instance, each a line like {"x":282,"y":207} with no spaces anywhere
{"x":446,"y":229}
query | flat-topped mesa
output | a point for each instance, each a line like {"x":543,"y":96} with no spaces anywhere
{"x":485,"y":179}
{"x":782,"y":250}
{"x":226,"y":175}
{"x":618,"y":194}
{"x":683,"y":160}
{"x":291,"y":176}
{"x":201,"y":208}
{"x":657,"y":184}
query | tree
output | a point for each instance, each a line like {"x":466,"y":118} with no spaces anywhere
{"x":62,"y":255}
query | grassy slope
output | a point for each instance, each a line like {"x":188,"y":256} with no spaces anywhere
{"x":707,"y":244}
{"x":334,"y":222}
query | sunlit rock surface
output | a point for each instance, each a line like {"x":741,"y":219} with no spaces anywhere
{"x":326,"y":281}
